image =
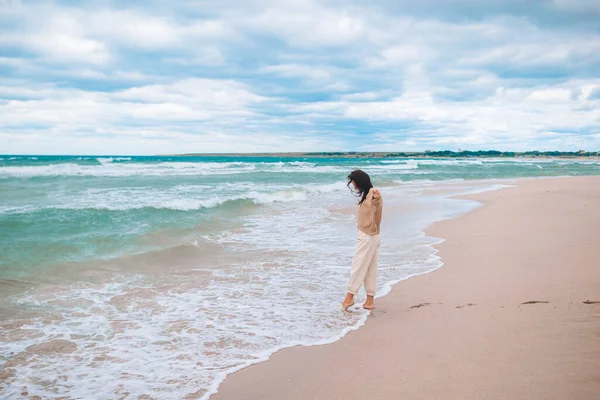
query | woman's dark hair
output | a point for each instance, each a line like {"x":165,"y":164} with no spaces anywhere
{"x":362,"y":181}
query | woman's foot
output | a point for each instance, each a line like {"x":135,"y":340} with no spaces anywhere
{"x":370,"y":303}
{"x":348,"y":302}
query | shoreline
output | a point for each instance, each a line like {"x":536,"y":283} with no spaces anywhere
{"x":291,"y":362}
{"x":501,"y":183}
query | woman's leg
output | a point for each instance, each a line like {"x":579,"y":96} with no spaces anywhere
{"x":360,"y":265}
{"x":371,"y":276}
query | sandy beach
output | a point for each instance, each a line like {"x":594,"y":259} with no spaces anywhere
{"x":514,"y":313}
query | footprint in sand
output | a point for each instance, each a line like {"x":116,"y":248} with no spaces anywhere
{"x":467,"y":305}
{"x":421,"y":305}
{"x":536,"y":302}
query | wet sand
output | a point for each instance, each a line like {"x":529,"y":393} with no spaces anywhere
{"x":513,"y":314}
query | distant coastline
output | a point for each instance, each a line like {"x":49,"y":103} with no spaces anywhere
{"x":426,"y":154}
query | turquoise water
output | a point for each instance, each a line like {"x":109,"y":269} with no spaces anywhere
{"x":64,"y":209}
{"x":159,"y":276}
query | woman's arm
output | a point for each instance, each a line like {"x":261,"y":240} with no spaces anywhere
{"x":376,"y":197}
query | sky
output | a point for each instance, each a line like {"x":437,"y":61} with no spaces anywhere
{"x":164,"y":77}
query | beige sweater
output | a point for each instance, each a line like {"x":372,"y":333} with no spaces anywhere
{"x":369,"y":214}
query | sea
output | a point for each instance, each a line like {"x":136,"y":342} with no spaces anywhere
{"x":156,"y":277}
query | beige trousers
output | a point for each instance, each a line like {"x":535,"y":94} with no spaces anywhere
{"x":364,"y":264}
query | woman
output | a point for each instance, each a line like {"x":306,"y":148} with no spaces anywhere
{"x":364,"y":263}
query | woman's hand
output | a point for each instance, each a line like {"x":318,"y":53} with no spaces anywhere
{"x":376,"y":192}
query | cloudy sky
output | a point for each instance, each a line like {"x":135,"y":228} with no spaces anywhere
{"x":148,"y":77}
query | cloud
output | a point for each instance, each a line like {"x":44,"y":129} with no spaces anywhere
{"x":62,"y":40}
{"x":13,"y":62}
{"x":578,"y":5}
{"x":594,"y":94}
{"x":140,"y":30}
{"x":86,"y":112}
{"x":205,"y":56}
{"x":221,"y":94}
{"x":311,"y":75}
{"x":400,"y":55}
{"x":362,"y":96}
{"x":307,"y":23}
{"x":508,"y":118}
{"x":299,"y":71}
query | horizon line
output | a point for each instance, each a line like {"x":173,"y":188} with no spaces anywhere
{"x":302,"y":153}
